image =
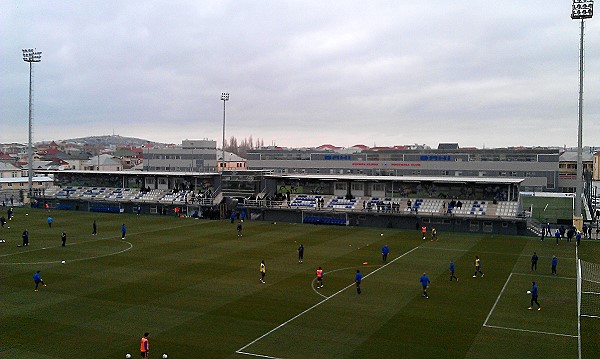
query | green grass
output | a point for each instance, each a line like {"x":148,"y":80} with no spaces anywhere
{"x":195,"y":287}
{"x":549,"y":209}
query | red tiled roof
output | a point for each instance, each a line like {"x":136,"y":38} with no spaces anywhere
{"x":328,"y":146}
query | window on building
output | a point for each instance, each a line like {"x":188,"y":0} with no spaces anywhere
{"x":379,"y":187}
{"x":357,"y":186}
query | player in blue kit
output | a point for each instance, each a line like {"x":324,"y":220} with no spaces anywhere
{"x":534,"y":296}
{"x":452,"y":271}
{"x":425,"y":284}
{"x":37,"y":278}
{"x":357,"y":280}
{"x":385,"y":250}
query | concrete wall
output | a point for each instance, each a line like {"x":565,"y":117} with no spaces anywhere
{"x":414,"y":222}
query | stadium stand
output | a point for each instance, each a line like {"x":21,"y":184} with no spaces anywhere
{"x":304,"y":201}
{"x":407,"y":206}
{"x":340,"y":202}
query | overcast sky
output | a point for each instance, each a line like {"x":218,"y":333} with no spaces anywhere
{"x":301,"y":73}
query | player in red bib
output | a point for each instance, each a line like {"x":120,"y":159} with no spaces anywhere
{"x":319,"y":278}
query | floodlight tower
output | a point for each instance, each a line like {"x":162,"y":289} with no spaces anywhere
{"x":31,"y":56}
{"x":581,"y":10}
{"x":224,"y":98}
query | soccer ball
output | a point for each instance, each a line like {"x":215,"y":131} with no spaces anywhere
{"x":127,"y":355}
{"x":165,"y":356}
{"x":63,"y":262}
{"x":528,"y":292}
{"x":382,"y":234}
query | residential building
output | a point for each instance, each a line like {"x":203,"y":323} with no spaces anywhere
{"x":190,"y":156}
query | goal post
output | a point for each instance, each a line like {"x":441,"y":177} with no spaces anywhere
{"x":588,"y":289}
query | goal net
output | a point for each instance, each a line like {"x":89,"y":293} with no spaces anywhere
{"x":325,"y":217}
{"x":588,"y":288}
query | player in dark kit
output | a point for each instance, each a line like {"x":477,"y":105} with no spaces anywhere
{"x":300,"y":253}
{"x":25,"y":236}
{"x":63,"y":237}
{"x":239,"y":229}
{"x":534,"y":260}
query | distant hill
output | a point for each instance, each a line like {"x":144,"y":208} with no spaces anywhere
{"x":109,"y":140}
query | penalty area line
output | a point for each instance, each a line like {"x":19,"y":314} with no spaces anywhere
{"x":241,"y":350}
{"x":256,"y":355}
{"x":497,"y":299}
{"x":531,"y":331}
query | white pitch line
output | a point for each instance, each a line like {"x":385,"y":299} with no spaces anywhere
{"x":241,"y":350}
{"x":257,"y":355}
{"x":497,"y":299}
{"x":530,"y":331}
{"x":76,"y":259}
{"x":590,"y":316}
{"x":84,"y":242}
{"x":545,"y":275}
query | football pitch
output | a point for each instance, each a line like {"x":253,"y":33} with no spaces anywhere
{"x":194,"y":285}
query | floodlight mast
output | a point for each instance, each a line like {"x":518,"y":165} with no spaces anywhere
{"x":31,"y":56}
{"x":224,"y":98}
{"x":581,"y":10}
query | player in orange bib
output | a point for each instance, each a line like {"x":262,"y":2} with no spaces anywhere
{"x":145,"y":346}
{"x":319,"y":278}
